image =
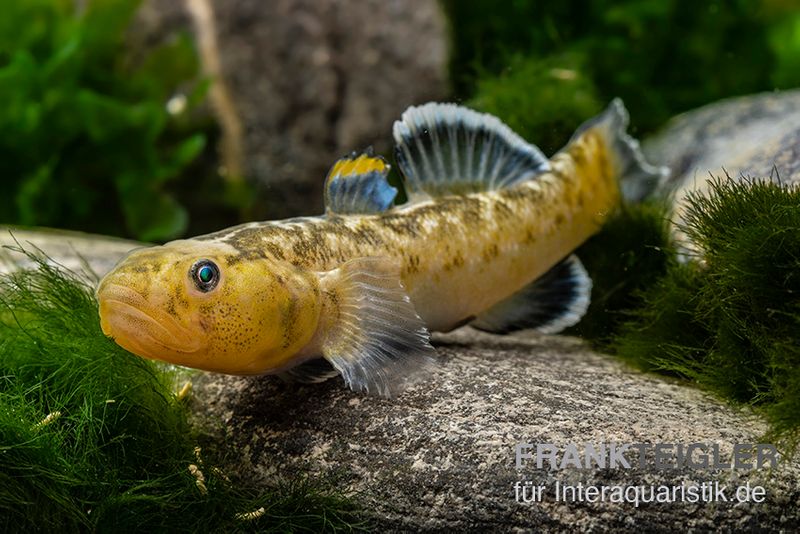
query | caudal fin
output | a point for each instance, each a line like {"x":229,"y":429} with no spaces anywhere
{"x":638,"y":179}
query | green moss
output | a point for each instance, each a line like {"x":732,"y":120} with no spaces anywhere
{"x":631,"y":253}
{"x":730,"y":319}
{"x":665,"y":332}
{"x":654,"y":54}
{"x":93,"y":438}
{"x":540,"y":99}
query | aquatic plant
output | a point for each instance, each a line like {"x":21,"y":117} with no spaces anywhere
{"x":541,"y":99}
{"x":93,"y":438}
{"x":628,"y":49}
{"x":729,"y":320}
{"x":88,"y":141}
{"x":631,"y":253}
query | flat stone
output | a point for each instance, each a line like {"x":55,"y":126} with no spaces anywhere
{"x":441,"y":456}
{"x":76,"y":251}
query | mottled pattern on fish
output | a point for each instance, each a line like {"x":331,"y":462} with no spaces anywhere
{"x":509,"y":236}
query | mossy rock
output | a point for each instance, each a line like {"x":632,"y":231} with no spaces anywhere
{"x":754,"y":136}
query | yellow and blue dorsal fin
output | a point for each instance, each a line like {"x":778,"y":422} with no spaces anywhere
{"x":445,"y":149}
{"x":357,"y":184}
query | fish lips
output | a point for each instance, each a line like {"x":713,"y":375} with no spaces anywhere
{"x":145,"y":330}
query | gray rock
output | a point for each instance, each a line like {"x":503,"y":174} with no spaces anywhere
{"x":313,"y":80}
{"x":442,"y":455}
{"x":755,"y":136}
{"x":74,"y":250}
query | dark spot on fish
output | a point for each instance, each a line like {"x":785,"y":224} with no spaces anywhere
{"x":279,"y":280}
{"x":517,"y":194}
{"x":170,"y":307}
{"x":301,"y":248}
{"x":502,"y":210}
{"x":401,"y":224}
{"x":144,"y":268}
{"x":178,"y":298}
{"x":490,"y":252}
{"x":559,"y":174}
{"x":275,"y":250}
{"x":530,"y":237}
{"x":412,"y":263}
{"x":289,"y":314}
{"x":578,"y":154}
{"x":455,"y":262}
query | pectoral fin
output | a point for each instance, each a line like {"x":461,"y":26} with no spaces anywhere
{"x":373,"y":335}
{"x":310,"y":372}
{"x":556,"y":300}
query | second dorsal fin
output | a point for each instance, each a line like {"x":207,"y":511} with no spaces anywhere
{"x":445,"y":149}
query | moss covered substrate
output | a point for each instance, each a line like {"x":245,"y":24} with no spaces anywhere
{"x":93,"y":438}
{"x":727,"y":318}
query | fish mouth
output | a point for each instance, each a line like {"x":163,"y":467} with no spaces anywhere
{"x":141,"y":328}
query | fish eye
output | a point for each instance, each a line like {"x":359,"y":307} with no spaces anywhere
{"x":205,"y":275}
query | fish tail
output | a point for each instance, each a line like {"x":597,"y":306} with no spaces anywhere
{"x":638,"y":178}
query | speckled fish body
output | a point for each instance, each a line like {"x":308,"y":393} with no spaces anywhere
{"x":458,"y":254}
{"x":362,"y":285}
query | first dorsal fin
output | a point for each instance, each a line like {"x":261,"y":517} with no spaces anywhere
{"x":357,"y":184}
{"x":445,"y":149}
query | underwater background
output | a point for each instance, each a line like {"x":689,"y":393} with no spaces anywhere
{"x":121,"y":118}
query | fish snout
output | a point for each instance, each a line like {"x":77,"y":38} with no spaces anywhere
{"x":141,"y":326}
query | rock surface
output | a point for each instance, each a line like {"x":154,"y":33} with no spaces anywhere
{"x":73,"y":250}
{"x":442,"y":455}
{"x":756,"y":136}
{"x":313,"y":80}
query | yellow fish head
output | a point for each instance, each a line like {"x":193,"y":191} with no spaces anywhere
{"x":209,"y":307}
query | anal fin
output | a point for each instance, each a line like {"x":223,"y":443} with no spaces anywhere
{"x":375,"y":338}
{"x":556,"y":300}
